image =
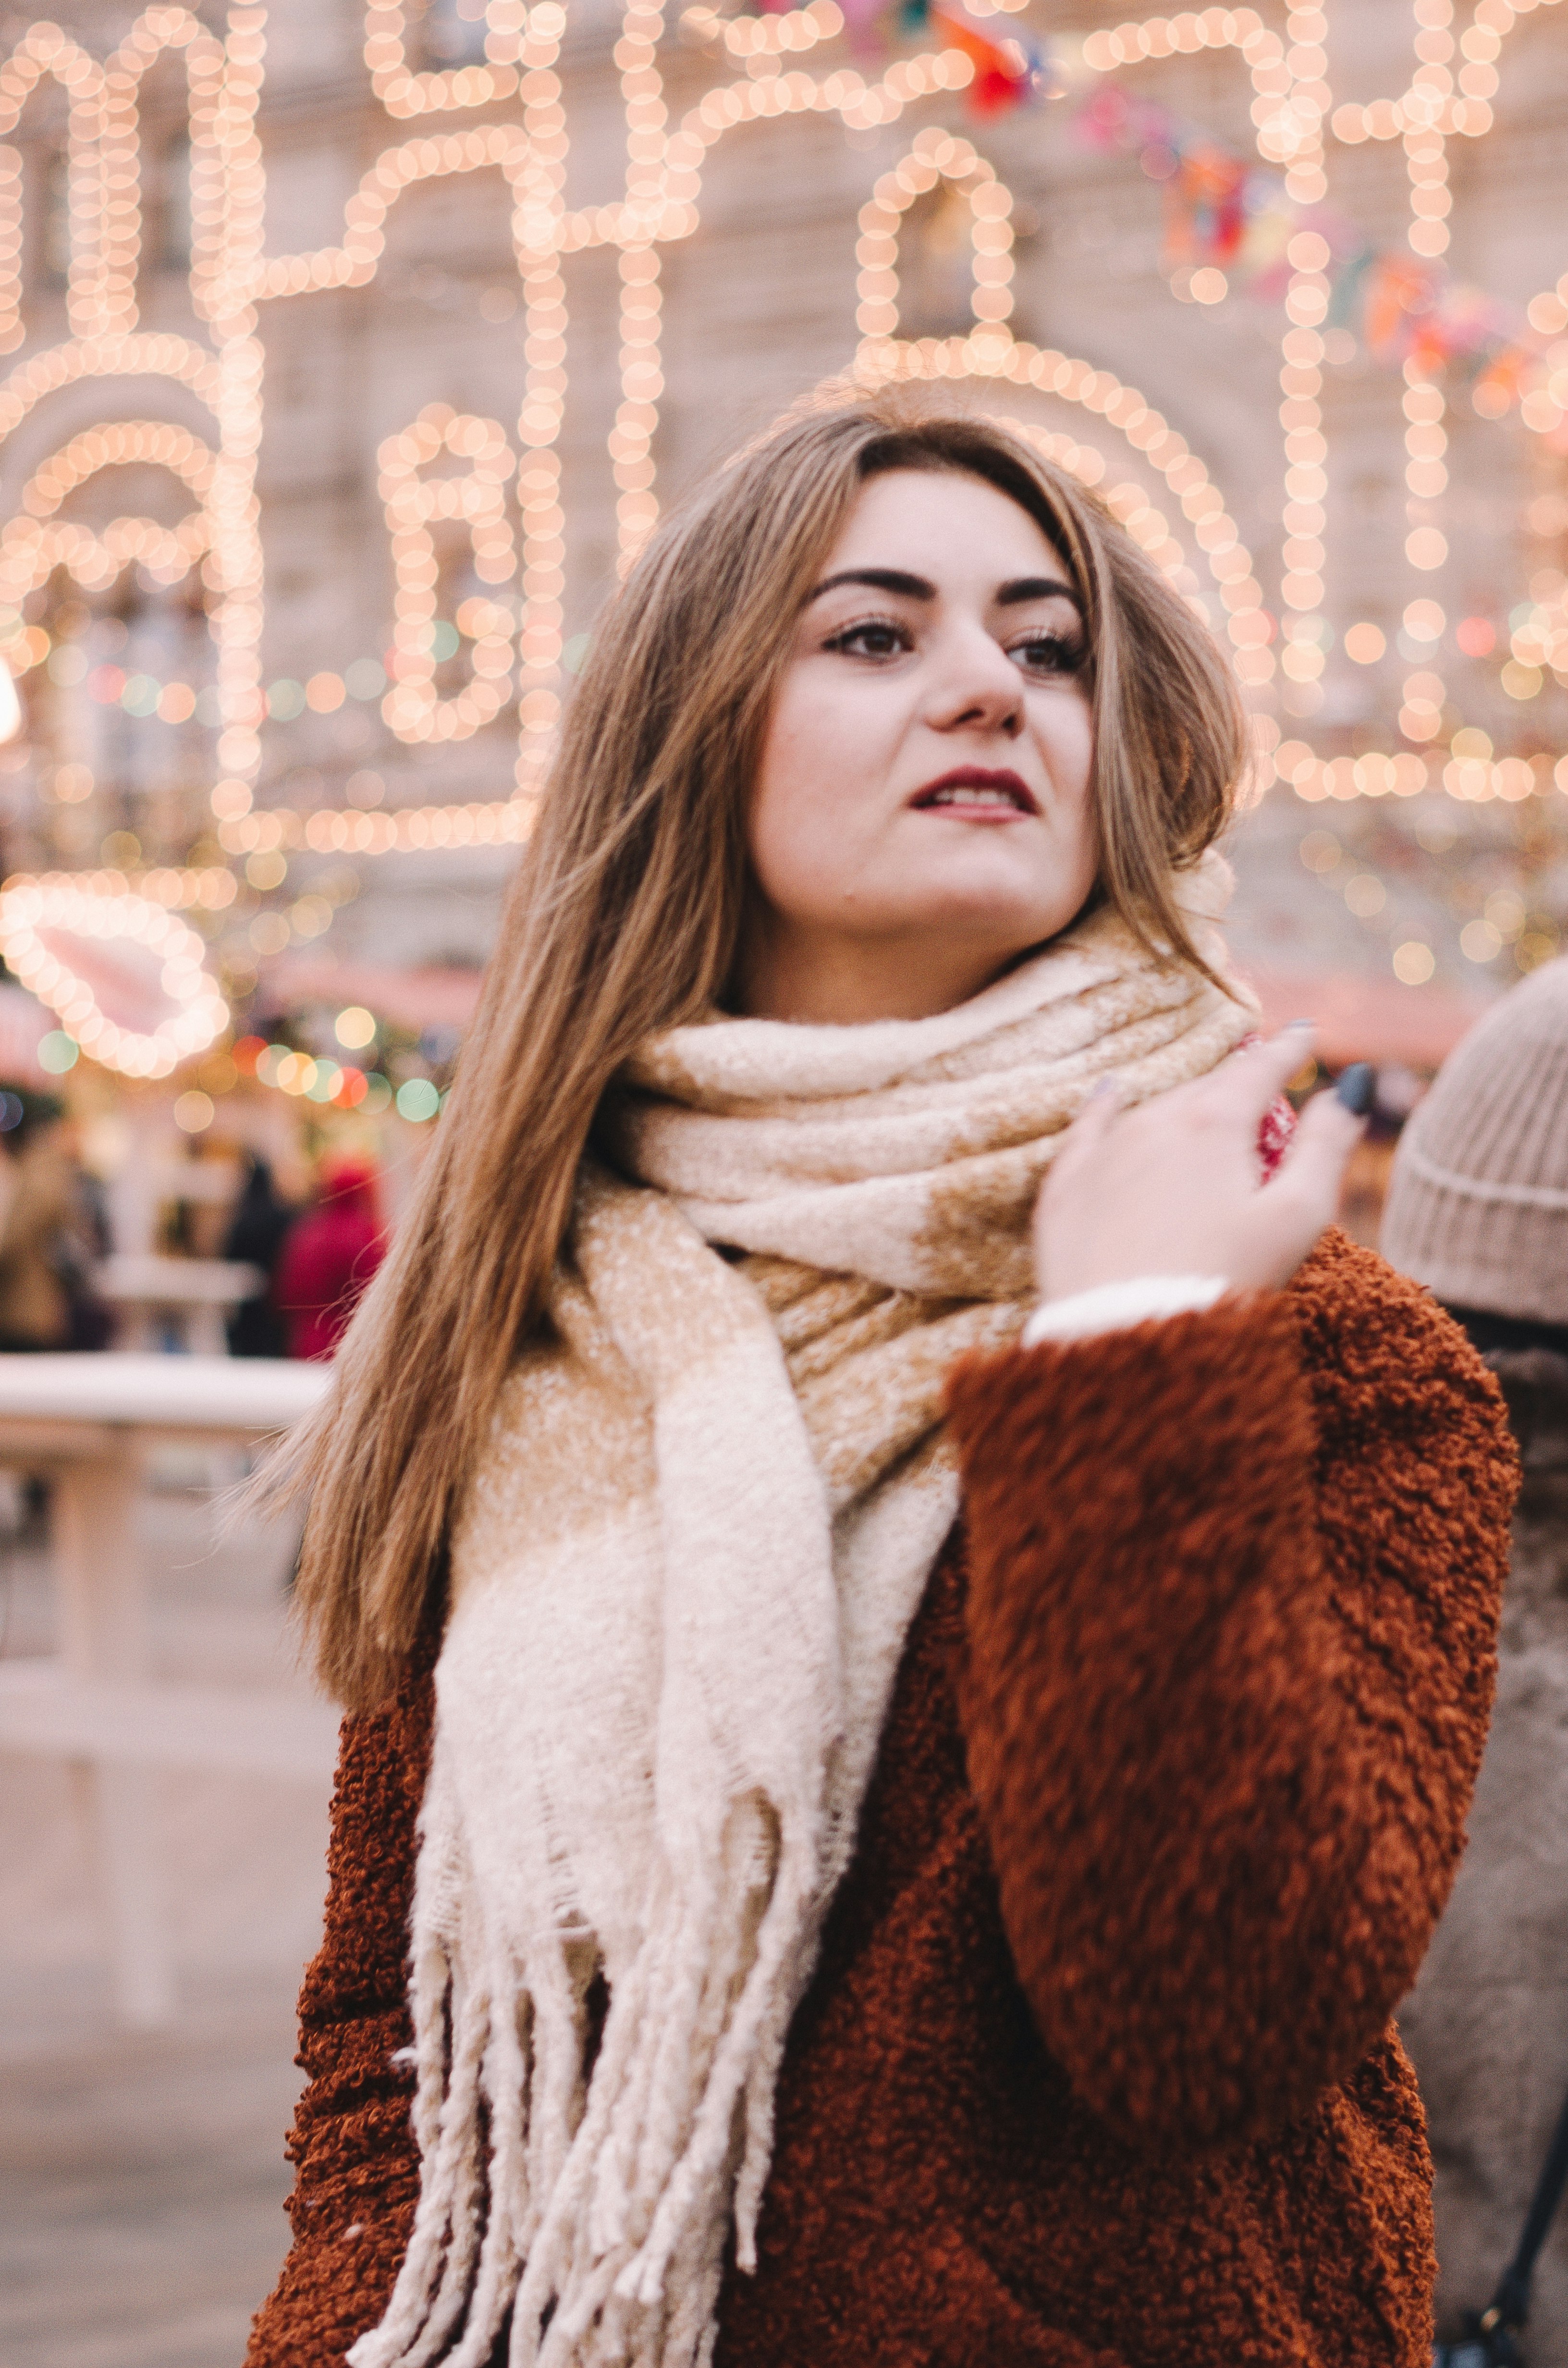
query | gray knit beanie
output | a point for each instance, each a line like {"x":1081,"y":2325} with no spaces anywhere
{"x":1477,"y":1204}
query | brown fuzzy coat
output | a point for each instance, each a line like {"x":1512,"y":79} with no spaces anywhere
{"x":1097,"y":2068}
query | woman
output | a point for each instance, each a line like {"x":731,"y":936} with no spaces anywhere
{"x":1477,"y":1209}
{"x":884,"y":1885}
{"x":258,"y":1228}
{"x":327,"y":1259}
{"x":38,"y":1202}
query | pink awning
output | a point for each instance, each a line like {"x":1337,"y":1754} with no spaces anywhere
{"x":409,"y":998}
{"x":1361,"y":1019}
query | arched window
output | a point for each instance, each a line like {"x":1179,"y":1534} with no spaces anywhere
{"x":52,"y":253}
{"x":171,"y":196}
{"x":103,"y":607}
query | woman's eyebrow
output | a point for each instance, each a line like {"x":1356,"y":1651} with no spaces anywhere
{"x":1036,"y":588}
{"x":918,"y":587}
{"x":880,"y":579}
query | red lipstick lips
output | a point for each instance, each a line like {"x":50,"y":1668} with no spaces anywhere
{"x":977,"y":794}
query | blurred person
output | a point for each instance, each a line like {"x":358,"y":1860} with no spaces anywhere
{"x":192,"y":1220}
{"x":1478,"y":1211}
{"x":259,"y":1226}
{"x":84,"y":1241}
{"x":48,"y":1238}
{"x":917,"y":1631}
{"x":327,"y":1258}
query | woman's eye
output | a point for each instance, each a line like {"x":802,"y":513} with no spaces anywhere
{"x":1049,"y":653}
{"x":872,"y":640}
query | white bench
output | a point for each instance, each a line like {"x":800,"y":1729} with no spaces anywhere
{"x":89,"y":1422}
{"x":194,"y":1294}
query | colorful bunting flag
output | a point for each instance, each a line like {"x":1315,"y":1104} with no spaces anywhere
{"x":1009,"y":73}
{"x":1222,"y":208}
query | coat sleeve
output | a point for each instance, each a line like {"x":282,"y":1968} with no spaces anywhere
{"x":1234,"y":1585}
{"x":357,"y":2175}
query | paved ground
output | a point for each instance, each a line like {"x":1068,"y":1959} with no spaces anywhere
{"x":141,"y":2177}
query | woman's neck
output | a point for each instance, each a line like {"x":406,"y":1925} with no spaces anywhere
{"x":819,"y":979}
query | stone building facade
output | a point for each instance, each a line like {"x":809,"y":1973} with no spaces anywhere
{"x":569,"y":259}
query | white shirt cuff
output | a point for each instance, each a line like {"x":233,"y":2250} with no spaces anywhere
{"x":1111,"y":1306}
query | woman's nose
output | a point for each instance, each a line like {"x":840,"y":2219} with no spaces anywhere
{"x":981,"y":691}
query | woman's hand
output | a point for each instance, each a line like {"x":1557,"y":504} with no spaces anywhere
{"x":1172,"y":1187}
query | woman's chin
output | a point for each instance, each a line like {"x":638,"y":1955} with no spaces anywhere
{"x":1008,"y":923}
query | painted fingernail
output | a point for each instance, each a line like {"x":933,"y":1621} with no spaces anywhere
{"x":1356,"y":1085}
{"x":1098,"y":1091}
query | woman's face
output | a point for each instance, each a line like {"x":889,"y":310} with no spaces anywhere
{"x":921,"y":814}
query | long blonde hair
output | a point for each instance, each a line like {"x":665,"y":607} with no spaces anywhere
{"x":624,"y":918}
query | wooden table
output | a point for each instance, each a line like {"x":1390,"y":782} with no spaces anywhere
{"x":87,"y":1422}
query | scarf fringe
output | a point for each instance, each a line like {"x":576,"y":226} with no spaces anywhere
{"x":625,"y":2264}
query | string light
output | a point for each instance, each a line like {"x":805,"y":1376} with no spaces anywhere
{"x":662,"y":180}
{"x":230,"y":278}
{"x":642,"y":384}
{"x":663,"y":187}
{"x":537,"y":235}
{"x":936,"y":156}
{"x":1292,"y":135}
{"x":1502,"y":921}
{"x":154,"y":442}
{"x":1426,"y":439}
{"x":770,"y":37}
{"x":1216,"y":28}
{"x":1372,"y":776}
{"x":1424,"y":145}
{"x":31,"y":554}
{"x":476,"y":499}
{"x":1306,"y":60}
{"x":211,"y":888}
{"x":403,"y":90}
{"x":333,"y":830}
{"x":1305,"y":516}
{"x":991,"y":353}
{"x":641,"y":381}
{"x":30,"y":551}
{"x":353,"y":262}
{"x":39,"y":918}
{"x":45,"y":49}
{"x":140,"y":541}
{"x":138,"y":355}
{"x":118,"y":156}
{"x":237,"y":193}
{"x":1430,"y":101}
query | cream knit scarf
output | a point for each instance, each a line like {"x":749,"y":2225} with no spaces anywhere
{"x":681,"y":1583}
